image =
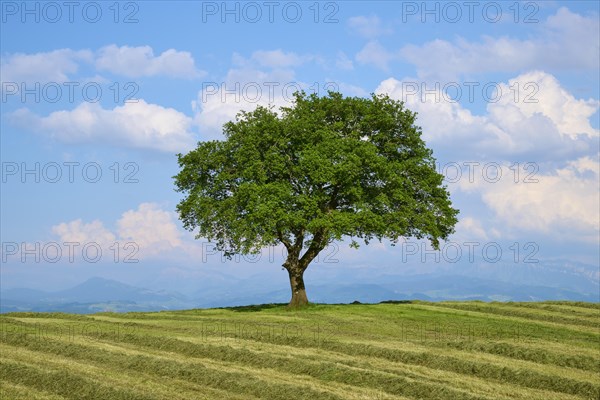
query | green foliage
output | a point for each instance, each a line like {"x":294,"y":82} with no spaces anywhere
{"x":326,"y":168}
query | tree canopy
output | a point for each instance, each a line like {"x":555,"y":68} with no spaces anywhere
{"x":323,"y":169}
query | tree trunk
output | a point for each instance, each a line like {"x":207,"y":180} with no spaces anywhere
{"x":296,"y":265}
{"x":298,"y":291}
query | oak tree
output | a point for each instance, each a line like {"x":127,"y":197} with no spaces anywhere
{"x":323,"y":169}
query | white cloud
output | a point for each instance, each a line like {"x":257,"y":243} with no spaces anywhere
{"x":572,"y":40}
{"x":266,"y":78}
{"x":242,"y":89}
{"x":584,"y":165}
{"x":374,"y":53}
{"x":368,"y":27}
{"x":469,"y":229}
{"x":566,"y":200}
{"x":570,"y":116}
{"x":566,"y":40}
{"x":53,"y":66}
{"x":563,"y":199}
{"x":278,"y":59}
{"x":79,"y":232}
{"x":440,"y":59}
{"x":553,"y":124}
{"x":151,"y":228}
{"x":61,"y":65}
{"x":272,"y":59}
{"x":343,"y":62}
{"x":141,"y":61}
{"x":353,"y":90}
{"x":138,"y":125}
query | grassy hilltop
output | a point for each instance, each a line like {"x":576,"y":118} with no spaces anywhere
{"x":417,"y":350}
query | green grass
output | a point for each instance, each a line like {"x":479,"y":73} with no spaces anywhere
{"x":416,"y":350}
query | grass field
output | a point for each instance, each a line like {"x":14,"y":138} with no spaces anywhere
{"x":417,"y":350}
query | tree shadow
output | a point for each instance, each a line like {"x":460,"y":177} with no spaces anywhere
{"x":260,"y":307}
{"x":396,"y":302}
{"x":254,"y":307}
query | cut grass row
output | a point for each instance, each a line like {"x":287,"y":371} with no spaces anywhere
{"x":386,"y":351}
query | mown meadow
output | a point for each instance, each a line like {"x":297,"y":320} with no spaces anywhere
{"x":399,"y":350}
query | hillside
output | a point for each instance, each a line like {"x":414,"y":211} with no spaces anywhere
{"x":401,"y":350}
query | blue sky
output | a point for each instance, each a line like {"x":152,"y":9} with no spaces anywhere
{"x":507,"y":95}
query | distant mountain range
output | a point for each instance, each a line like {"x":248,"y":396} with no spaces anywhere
{"x":99,"y":294}
{"x":93,"y":295}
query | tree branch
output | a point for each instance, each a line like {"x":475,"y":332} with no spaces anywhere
{"x":298,"y":243}
{"x":283,"y":240}
{"x":317,"y":244}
